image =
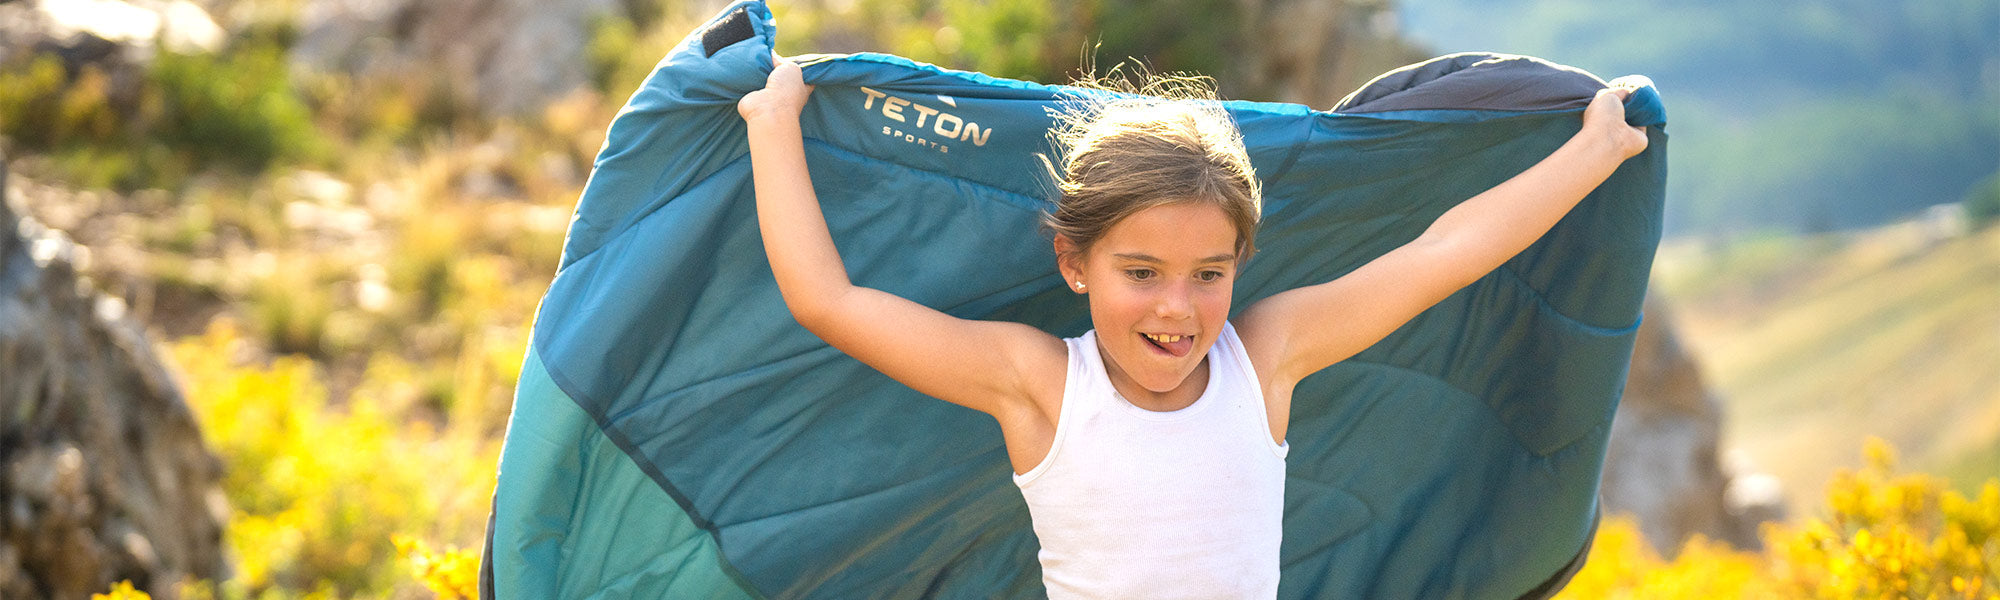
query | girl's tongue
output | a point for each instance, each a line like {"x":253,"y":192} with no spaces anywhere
{"x":1178,"y":348}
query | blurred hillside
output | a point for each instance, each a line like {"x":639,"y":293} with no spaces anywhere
{"x":343,"y":240}
{"x":1816,"y":342}
{"x":1791,"y":115}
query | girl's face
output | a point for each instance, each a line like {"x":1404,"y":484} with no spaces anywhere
{"x":1159,"y":285}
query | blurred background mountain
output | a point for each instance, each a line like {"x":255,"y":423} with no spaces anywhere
{"x":338,"y":215}
{"x":1827,"y":161}
{"x":1791,"y":115}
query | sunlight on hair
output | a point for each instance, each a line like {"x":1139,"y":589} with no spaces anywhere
{"x":1130,"y":138}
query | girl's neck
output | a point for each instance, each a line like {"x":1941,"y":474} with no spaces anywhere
{"x":1182,"y":396}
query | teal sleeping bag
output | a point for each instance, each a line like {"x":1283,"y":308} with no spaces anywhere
{"x":676,"y":434}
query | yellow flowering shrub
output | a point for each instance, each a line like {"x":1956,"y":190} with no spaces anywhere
{"x":1883,"y":536}
{"x":122,"y":591}
{"x":384,"y":494}
{"x":318,"y":491}
{"x":1893,"y":536}
{"x":1623,"y":565}
{"x":452,"y":574}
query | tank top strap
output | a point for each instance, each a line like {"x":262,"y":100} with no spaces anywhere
{"x":1086,"y":392}
{"x":1231,"y":361}
{"x":1088,"y":384}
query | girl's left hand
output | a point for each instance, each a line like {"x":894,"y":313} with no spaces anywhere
{"x":784,"y":94}
{"x":1605,"y":119}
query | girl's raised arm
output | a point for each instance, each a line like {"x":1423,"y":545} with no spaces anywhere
{"x":992,"y":367}
{"x":1298,"y":332}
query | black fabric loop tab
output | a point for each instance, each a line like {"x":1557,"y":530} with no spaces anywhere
{"x":731,"y":29}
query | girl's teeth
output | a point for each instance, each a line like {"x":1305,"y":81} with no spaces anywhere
{"x":1165,"y":339}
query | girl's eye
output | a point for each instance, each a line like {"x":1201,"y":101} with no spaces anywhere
{"x":1139,"y":274}
{"x":1209,"y":276}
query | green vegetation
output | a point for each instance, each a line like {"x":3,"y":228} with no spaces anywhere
{"x":1982,"y":202}
{"x":1815,"y":342}
{"x":352,"y":262}
{"x":1803,"y":116}
{"x":319,"y":493}
{"x":1034,"y":40}
{"x":236,"y":110}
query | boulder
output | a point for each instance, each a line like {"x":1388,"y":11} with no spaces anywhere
{"x":505,"y":56}
{"x":87,"y":30}
{"x":1314,"y":52}
{"x":114,"y":37}
{"x":1663,"y":465}
{"x":103,"y":473}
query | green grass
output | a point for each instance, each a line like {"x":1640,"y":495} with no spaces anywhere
{"x":1815,"y":342}
{"x":1967,"y":470}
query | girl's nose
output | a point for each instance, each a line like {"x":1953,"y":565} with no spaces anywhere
{"x":1175,"y":303}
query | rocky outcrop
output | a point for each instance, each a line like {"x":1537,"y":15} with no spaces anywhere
{"x":103,"y":474}
{"x":95,"y":31}
{"x":505,"y":56}
{"x":1313,"y":51}
{"x":114,"y":37}
{"x":1663,"y":465}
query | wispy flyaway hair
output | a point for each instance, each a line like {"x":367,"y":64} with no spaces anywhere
{"x":1132,"y":141}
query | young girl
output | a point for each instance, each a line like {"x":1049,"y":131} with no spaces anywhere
{"x":1151,"y":450}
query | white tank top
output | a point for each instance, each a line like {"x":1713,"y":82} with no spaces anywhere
{"x":1132,"y":503}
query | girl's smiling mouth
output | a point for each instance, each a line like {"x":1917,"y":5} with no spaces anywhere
{"x":1172,"y":345}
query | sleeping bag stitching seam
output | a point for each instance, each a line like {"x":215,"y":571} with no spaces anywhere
{"x":1484,"y":408}
{"x":626,"y":446}
{"x":972,"y":77}
{"x":1368,"y":511}
{"x":820,"y":348}
{"x":1442,"y":160}
{"x":1431,"y":376}
{"x":1488,"y":408}
{"x":652,"y":471}
{"x":1029,"y":283}
{"x":1602,"y":426}
{"x":1292,"y":153}
{"x":1039,"y":204}
{"x":603,"y":426}
{"x":1459,"y":115}
{"x":1522,"y":282}
{"x":625,"y":226}
{"x":857,"y":496}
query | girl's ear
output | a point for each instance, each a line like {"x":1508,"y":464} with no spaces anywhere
{"x":1069,"y":262}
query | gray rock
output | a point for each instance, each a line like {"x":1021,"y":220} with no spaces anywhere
{"x":1663,"y":464}
{"x":507,"y":56}
{"x":1314,"y":51}
{"x":116,"y":37}
{"x":103,"y":473}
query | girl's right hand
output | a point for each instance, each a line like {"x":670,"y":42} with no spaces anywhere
{"x":1604,"y":121}
{"x":783,"y":97}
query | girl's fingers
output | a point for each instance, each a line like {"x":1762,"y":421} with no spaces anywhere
{"x":1631,"y":82}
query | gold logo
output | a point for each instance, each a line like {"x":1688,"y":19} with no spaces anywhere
{"x":930,"y":124}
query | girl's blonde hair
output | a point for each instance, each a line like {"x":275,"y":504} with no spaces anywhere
{"x":1128,"y":147}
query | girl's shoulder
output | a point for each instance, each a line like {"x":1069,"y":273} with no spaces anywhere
{"x":1043,"y":361}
